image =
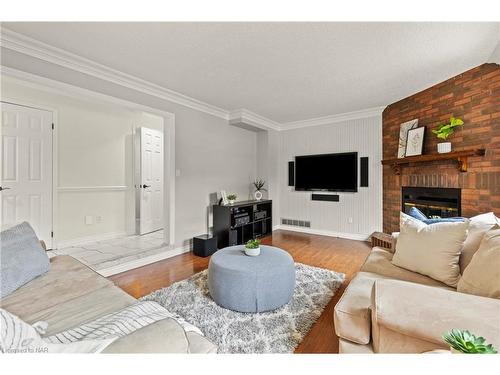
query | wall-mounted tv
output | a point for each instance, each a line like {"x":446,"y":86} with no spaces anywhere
{"x":327,"y":172}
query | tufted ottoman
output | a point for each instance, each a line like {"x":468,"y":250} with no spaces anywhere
{"x":251,"y":284}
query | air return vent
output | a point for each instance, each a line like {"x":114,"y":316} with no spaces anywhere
{"x":296,"y":223}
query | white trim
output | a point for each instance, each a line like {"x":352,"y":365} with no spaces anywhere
{"x":327,"y":120}
{"x":136,"y":263}
{"x":349,"y":236}
{"x":252,"y":121}
{"x":88,"y":239}
{"x":34,"y":48}
{"x":71,"y":189}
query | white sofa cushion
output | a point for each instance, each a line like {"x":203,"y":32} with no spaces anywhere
{"x":479,"y":225}
{"x":431,"y":250}
{"x":482,"y":275}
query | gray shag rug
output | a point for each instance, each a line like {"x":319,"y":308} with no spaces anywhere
{"x":278,"y":331}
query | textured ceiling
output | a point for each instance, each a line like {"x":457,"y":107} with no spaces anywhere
{"x":283,"y":71}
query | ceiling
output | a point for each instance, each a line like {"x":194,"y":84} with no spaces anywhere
{"x":283,"y":71}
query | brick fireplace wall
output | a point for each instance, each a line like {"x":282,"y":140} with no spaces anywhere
{"x":474,"y":96}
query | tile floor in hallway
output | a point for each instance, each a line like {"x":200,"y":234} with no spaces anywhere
{"x":104,"y":254}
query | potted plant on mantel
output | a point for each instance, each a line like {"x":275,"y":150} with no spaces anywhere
{"x":443,"y":131}
{"x":252,"y":247}
{"x":259,"y":188}
{"x":231,"y":198}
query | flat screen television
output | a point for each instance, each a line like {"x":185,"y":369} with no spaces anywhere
{"x":327,"y":172}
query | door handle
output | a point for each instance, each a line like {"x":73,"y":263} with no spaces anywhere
{"x":145,"y":186}
{"x":4,"y":188}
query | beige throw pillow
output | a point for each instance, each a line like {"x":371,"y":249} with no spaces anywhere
{"x":432,"y":250}
{"x":482,"y":275}
{"x":479,"y":225}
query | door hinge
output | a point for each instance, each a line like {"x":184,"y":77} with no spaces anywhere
{"x":52,"y":234}
{"x":52,"y":126}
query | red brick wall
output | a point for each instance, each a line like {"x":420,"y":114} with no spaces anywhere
{"x":474,"y":96}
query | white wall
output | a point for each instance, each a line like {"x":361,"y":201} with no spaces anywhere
{"x":94,"y":153}
{"x":95,"y":149}
{"x":364,"y":207}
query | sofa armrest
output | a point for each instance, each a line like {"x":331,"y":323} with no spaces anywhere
{"x":423,"y":313}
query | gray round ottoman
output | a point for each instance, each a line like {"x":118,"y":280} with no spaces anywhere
{"x":251,"y":284}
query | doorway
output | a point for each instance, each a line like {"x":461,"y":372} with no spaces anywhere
{"x":26,"y":184}
{"x":149,"y":186}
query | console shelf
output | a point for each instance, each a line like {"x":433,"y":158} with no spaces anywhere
{"x":459,"y":156}
{"x":257,"y":222}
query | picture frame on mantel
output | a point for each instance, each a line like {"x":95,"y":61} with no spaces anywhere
{"x":403,"y":134}
{"x":415,"y":141}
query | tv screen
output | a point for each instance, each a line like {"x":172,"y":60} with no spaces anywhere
{"x":327,"y":172}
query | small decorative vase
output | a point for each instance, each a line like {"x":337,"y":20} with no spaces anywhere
{"x":444,"y":147}
{"x":257,"y":195}
{"x":252,"y":252}
{"x":231,"y":201}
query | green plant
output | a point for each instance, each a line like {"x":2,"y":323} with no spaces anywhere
{"x":466,"y":342}
{"x":252,"y":244}
{"x":232,"y":197}
{"x":443,"y":131}
{"x":259,"y":184}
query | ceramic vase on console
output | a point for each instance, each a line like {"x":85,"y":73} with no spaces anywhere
{"x":257,"y":195}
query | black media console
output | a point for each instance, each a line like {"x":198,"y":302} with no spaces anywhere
{"x":237,"y":223}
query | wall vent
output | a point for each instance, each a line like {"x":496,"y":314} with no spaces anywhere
{"x":296,"y":223}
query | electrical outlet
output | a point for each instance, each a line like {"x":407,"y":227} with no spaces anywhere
{"x":98,"y":219}
{"x":89,"y":220}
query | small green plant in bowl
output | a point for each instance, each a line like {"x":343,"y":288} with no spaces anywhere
{"x":232,"y":198}
{"x":465,"y":342}
{"x":443,"y":131}
{"x":252,"y":247}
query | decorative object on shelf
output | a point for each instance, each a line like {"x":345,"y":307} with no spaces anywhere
{"x":403,"y":133}
{"x":252,"y":248}
{"x":415,"y":141}
{"x":259,"y":188}
{"x":443,"y":131}
{"x":231,"y":198}
{"x":224,"y":197}
{"x":462,"y":341}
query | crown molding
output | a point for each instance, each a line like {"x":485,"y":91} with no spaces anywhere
{"x":34,"y":48}
{"x":327,"y":120}
{"x":243,"y":118}
{"x":249,"y":120}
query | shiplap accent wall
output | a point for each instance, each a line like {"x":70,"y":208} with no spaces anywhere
{"x":332,"y":218}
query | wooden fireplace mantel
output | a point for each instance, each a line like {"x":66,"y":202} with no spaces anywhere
{"x":460,"y":156}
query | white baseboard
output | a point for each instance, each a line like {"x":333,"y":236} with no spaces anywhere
{"x":349,"y":236}
{"x":136,"y":263}
{"x":85,"y":240}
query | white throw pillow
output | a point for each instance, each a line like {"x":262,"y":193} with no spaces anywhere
{"x":482,"y":275}
{"x":17,"y":336}
{"x":479,"y":225}
{"x":432,"y":250}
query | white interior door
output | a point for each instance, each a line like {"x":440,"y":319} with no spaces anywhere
{"x":151,"y":180}
{"x":26,"y":169}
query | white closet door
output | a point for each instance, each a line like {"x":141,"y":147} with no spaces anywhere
{"x":26,"y":169}
{"x":151,"y":187}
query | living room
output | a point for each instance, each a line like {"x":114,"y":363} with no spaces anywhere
{"x":251,"y":188}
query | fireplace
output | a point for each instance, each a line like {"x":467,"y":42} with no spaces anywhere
{"x":433,"y":202}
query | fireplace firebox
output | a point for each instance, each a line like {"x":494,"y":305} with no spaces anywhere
{"x":433,"y":202}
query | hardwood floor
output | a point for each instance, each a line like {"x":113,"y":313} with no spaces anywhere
{"x":336,"y":254}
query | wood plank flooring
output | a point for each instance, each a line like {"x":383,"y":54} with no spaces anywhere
{"x":337,"y":254}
